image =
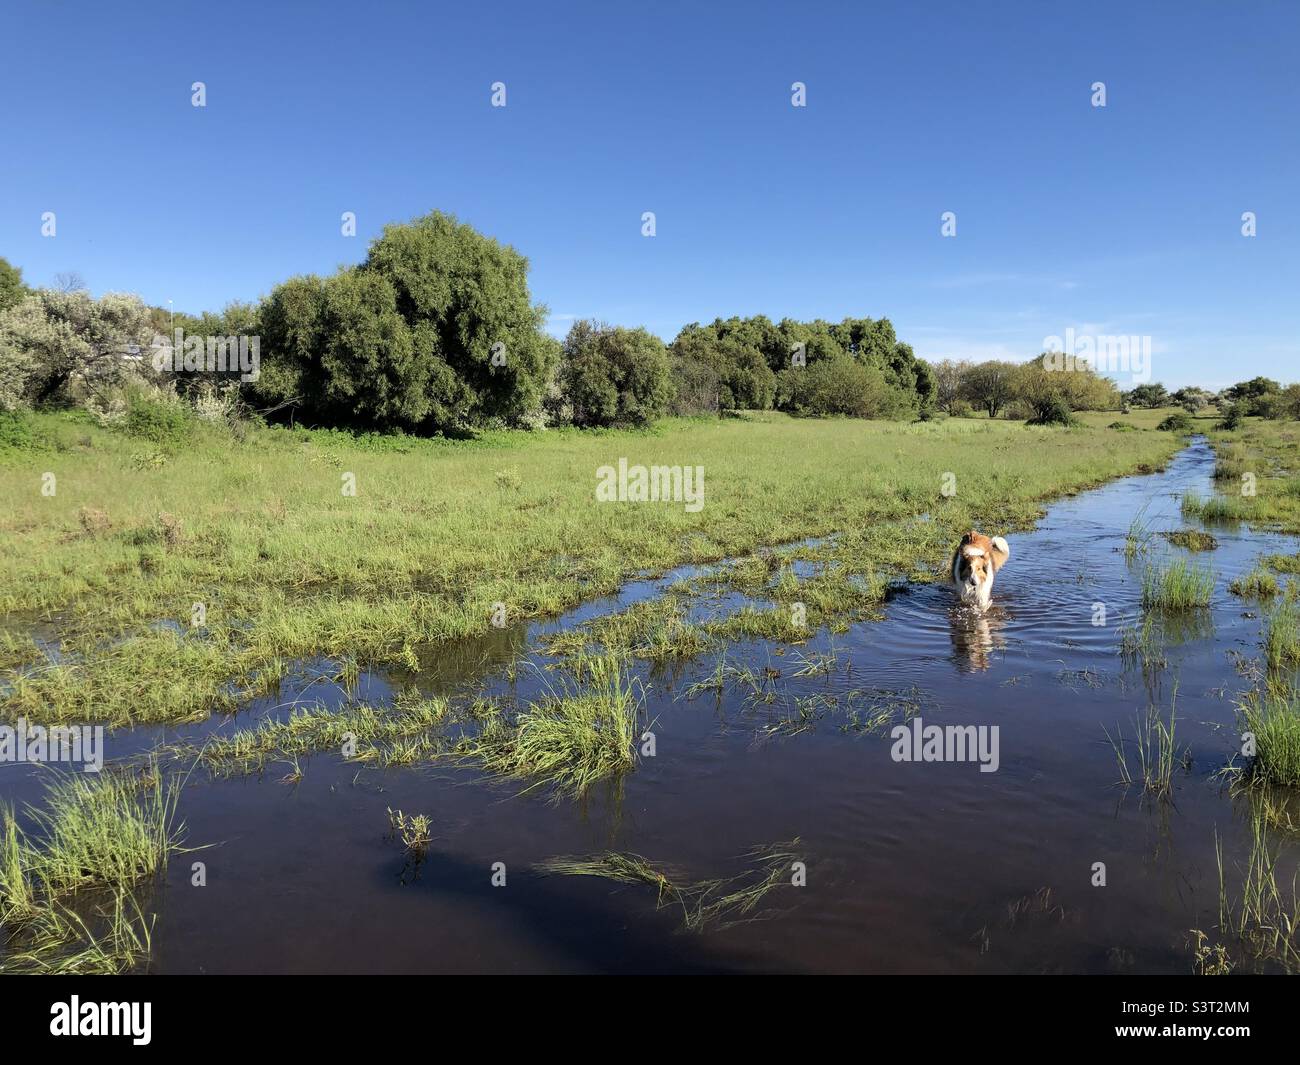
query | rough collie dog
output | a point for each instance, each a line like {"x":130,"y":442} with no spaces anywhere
{"x":974,"y":564}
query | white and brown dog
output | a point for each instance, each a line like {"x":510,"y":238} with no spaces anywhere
{"x":974,"y":564}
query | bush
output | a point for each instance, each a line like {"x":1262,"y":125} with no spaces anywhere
{"x":697,"y":387}
{"x":1178,"y":422}
{"x":157,"y":419}
{"x":1054,"y":412}
{"x":613,"y":376}
{"x":1232,"y":418}
{"x":1122,"y":427}
{"x":17,"y":433}
{"x":843,"y":386}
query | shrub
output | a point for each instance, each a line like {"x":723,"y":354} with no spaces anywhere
{"x":157,"y":419}
{"x":1054,"y":412}
{"x":843,"y":386}
{"x":1232,"y":418}
{"x":17,"y":433}
{"x":1178,"y":422}
{"x":54,"y":346}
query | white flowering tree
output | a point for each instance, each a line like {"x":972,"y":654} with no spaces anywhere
{"x":56,"y":344}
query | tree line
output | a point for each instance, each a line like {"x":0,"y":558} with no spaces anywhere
{"x":436,"y":331}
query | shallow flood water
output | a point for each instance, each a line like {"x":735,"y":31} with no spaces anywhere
{"x":911,"y":867}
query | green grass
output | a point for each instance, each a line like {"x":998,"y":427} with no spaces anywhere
{"x":653,"y":629}
{"x":1176,"y":585}
{"x":1146,"y":418}
{"x":1270,"y":451}
{"x":1273,"y":718}
{"x":67,"y":884}
{"x":289,"y":569}
{"x":1282,"y":637}
{"x":1219,"y":509}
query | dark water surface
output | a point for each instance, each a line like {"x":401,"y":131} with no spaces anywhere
{"x":911,"y":867}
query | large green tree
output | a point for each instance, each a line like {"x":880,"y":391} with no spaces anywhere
{"x":434,"y":331}
{"x":477,"y":334}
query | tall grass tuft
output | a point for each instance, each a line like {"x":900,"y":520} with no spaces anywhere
{"x":1259,"y":583}
{"x":1273,"y":718}
{"x":1155,"y":748}
{"x":574,"y":736}
{"x":1176,"y":585}
{"x":1138,"y":538}
{"x":104,"y":832}
{"x":1282,"y":638}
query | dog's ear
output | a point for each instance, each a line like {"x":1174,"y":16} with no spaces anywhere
{"x":1001,"y":552}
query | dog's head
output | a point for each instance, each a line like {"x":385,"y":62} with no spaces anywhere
{"x":976,"y":560}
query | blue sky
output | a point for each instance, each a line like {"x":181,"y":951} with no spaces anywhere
{"x":1117,"y":220}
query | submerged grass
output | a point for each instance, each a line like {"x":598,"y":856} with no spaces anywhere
{"x":1264,"y":917}
{"x":702,"y":903}
{"x":1191,"y":539}
{"x":412,"y":729}
{"x":1155,"y":749}
{"x":1137,"y":541}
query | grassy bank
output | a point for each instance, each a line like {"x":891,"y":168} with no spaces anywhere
{"x":107,"y":570}
{"x":1257,"y":477}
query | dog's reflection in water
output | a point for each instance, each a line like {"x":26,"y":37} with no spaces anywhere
{"x":977,"y":636}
